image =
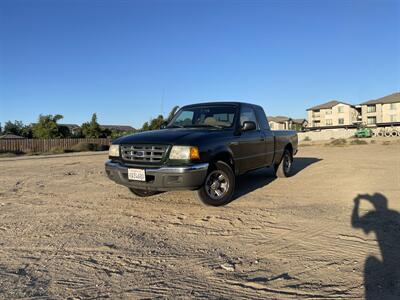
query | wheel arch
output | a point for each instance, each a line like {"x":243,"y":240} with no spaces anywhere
{"x":225,"y":156}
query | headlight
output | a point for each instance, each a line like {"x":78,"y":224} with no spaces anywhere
{"x":185,"y":153}
{"x":113,"y":151}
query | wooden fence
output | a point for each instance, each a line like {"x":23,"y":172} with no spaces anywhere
{"x":45,"y":145}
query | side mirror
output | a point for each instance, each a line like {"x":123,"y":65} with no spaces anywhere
{"x":164,"y":125}
{"x":248,"y":125}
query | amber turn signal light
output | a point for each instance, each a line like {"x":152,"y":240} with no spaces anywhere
{"x":194,"y":153}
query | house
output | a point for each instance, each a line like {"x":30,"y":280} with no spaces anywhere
{"x":286,"y":123}
{"x":385,"y":110}
{"x":120,"y":128}
{"x":332,"y":114}
{"x":280,"y":123}
{"x":10,"y":136}
{"x":73,"y":128}
{"x":299,"y":124}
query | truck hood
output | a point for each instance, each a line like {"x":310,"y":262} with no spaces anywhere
{"x":180,"y":136}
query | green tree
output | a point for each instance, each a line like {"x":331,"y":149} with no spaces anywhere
{"x":172,"y":113}
{"x":47,"y":127}
{"x":92,"y":129}
{"x":16,"y":127}
{"x":146,"y":126}
{"x":156,"y":123}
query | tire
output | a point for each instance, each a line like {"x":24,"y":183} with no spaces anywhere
{"x":284,"y":168}
{"x":388,"y":134}
{"x":394,"y":133}
{"x":143,"y":193}
{"x":219,"y":186}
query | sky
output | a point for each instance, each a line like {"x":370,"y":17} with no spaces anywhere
{"x":129,"y":61}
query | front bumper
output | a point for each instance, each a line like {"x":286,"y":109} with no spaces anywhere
{"x":160,"y":179}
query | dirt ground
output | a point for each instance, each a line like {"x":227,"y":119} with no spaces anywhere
{"x":66,"y":231}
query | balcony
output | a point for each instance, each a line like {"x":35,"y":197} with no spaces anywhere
{"x":316,"y":115}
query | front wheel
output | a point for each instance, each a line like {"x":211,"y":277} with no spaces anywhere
{"x":219,"y":185}
{"x":143,"y":193}
{"x":284,"y":168}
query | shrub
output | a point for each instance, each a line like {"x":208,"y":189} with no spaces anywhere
{"x":307,"y":139}
{"x":358,"y":142}
{"x":337,"y":142}
{"x":57,"y":150}
{"x":11,"y":153}
{"x":89,"y":147}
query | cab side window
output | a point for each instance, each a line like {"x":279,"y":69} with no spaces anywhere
{"x":247,"y":114}
{"x":262,"y":118}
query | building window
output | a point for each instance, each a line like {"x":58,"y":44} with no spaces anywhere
{"x":341,"y":109}
{"x":328,"y":122}
{"x":393,"y":118}
{"x":271,"y":125}
{"x":315,"y":114}
{"x":371,"y":120}
{"x":316,"y":124}
{"x":328,"y":112}
{"x":371,"y":108}
{"x":392,"y":106}
{"x":341,"y":121}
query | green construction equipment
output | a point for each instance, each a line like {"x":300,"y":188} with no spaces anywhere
{"x":363,"y":132}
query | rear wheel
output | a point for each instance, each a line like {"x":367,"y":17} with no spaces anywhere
{"x":219,"y":185}
{"x":143,"y":193}
{"x":284,"y":168}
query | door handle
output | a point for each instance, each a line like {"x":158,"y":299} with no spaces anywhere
{"x":234,"y":143}
{"x":262,"y":139}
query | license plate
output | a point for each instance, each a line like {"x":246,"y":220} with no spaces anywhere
{"x":137,"y":174}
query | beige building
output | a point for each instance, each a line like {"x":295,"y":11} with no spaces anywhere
{"x":280,"y":123}
{"x":286,"y":123}
{"x":382,"y":110}
{"x":332,"y":113}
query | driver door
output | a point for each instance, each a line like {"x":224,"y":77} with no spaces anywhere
{"x":249,"y":147}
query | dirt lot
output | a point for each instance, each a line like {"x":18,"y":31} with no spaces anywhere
{"x":67,"y":231}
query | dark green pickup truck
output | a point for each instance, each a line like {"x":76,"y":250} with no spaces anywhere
{"x":203,"y":148}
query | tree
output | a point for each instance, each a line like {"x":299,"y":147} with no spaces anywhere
{"x":15,"y":127}
{"x":64,"y":131}
{"x":172,"y":113}
{"x":156,"y":123}
{"x":46,"y":127}
{"x":146,"y":126}
{"x":92,"y":129}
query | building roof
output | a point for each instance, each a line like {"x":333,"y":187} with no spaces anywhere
{"x":299,"y":121}
{"x":279,"y":119}
{"x":393,"y":98}
{"x":329,"y":104}
{"x":118,"y":127}
{"x":10,"y":136}
{"x":70,"y":126}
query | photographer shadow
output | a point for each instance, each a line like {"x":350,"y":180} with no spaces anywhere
{"x":381,"y":278}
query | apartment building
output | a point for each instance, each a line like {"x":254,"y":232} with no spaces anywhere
{"x":385,"y":110}
{"x":331,"y":114}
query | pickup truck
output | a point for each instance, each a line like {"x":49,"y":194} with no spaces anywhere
{"x":203,"y":148}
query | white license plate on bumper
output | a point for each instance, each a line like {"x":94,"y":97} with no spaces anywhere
{"x":137,"y":174}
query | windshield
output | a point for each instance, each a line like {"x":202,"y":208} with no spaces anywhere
{"x":211,"y":116}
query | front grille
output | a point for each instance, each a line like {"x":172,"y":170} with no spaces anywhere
{"x":143,"y":153}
